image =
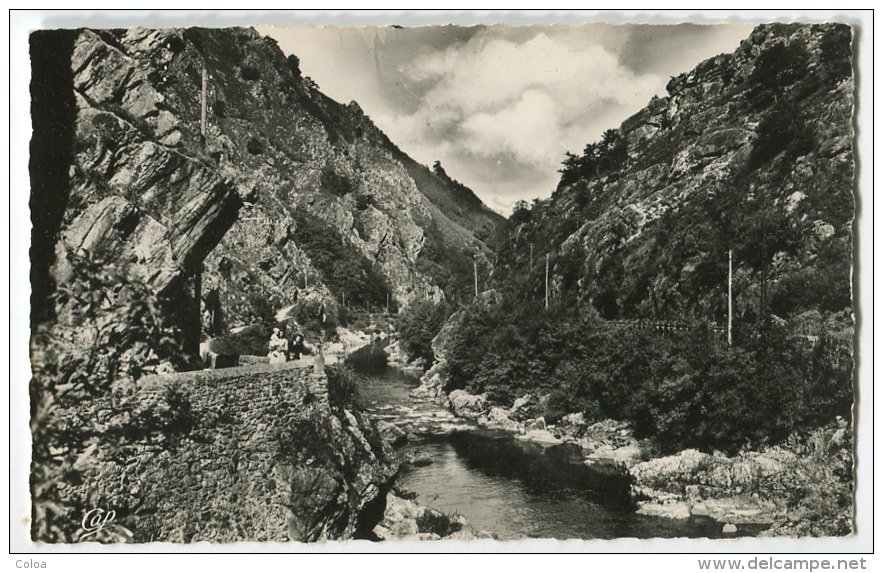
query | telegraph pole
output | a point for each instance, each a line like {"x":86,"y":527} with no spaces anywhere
{"x":730,"y":302}
{"x":547,"y":280}
{"x":531,"y":257}
{"x":763,"y":275}
{"x":475,"y":271}
{"x":202,"y":130}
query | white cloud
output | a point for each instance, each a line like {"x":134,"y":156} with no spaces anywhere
{"x":530,"y":101}
{"x":525,"y":129}
{"x":500,"y":105}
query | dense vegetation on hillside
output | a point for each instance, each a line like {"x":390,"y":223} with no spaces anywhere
{"x":750,"y":153}
{"x":127,"y":336}
{"x":327,"y":194}
{"x":686,"y":389}
{"x":343,"y":270}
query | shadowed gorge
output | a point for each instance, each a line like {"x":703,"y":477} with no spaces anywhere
{"x":232,"y":275}
{"x":53,"y":110}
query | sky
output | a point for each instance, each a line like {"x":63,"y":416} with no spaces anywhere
{"x":500,"y":105}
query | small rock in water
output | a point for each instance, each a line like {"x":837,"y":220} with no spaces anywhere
{"x":392,"y":433}
{"x":420,"y":459}
{"x":729,"y":528}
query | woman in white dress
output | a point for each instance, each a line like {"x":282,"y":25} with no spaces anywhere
{"x":278,"y":347}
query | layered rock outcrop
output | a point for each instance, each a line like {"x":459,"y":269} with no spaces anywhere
{"x":295,"y":190}
{"x":134,"y":193}
{"x":750,"y":151}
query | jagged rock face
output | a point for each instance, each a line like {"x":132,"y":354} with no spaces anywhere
{"x":273,"y":139}
{"x":140,"y":198}
{"x":130,"y":196}
{"x":750,"y":150}
{"x":345,"y":497}
{"x":281,"y":172}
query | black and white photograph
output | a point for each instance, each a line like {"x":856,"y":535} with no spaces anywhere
{"x":466,"y":282}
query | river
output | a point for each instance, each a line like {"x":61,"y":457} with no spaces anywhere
{"x":510,"y":487}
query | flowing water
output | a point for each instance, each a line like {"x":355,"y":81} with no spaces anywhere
{"x":508,"y":486}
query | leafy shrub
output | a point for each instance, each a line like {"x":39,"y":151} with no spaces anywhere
{"x":420,"y":323}
{"x":780,"y":64}
{"x":250,"y":73}
{"x":363,"y":201}
{"x":605,"y":156}
{"x":110,"y":331}
{"x":344,"y":390}
{"x":255,"y":146}
{"x":335,"y":183}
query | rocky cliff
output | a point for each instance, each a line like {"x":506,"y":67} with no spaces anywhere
{"x":144,"y":201}
{"x":121,"y":186}
{"x":750,"y":151}
{"x":295,"y":190}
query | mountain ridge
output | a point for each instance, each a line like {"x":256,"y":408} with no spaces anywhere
{"x":309,"y":174}
{"x":751,"y":151}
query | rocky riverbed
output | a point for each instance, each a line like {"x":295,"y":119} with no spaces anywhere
{"x":406,"y":520}
{"x":751,"y":491}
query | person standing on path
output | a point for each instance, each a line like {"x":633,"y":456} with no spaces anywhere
{"x":278,"y":347}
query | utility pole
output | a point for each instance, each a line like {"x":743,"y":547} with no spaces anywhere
{"x":730,"y":302}
{"x":202,"y":130}
{"x":547,"y":280}
{"x":531,"y":257}
{"x":197,"y":307}
{"x":763,"y":275}
{"x":475,"y":271}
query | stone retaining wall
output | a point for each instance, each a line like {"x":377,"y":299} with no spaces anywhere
{"x":217,"y":477}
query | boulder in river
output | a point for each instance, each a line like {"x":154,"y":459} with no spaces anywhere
{"x":419,"y":459}
{"x":467,"y":405}
{"x":391,"y":433}
{"x":498,"y":418}
{"x":524,"y":408}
